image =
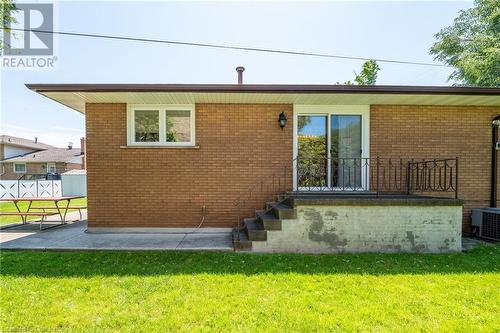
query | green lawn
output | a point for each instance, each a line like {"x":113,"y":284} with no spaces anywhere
{"x":9,"y":207}
{"x":192,"y":291}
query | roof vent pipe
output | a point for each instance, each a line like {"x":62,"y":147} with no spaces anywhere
{"x":240,"y":70}
{"x":70,"y":145}
{"x":36,"y":139}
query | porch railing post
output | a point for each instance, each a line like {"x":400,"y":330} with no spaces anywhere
{"x":378,"y":174}
{"x":456,"y":177}
{"x":408,"y":171}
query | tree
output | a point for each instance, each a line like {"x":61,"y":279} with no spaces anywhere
{"x":146,"y":126}
{"x":6,"y":9}
{"x":303,"y":121}
{"x":472,"y":45}
{"x":368,"y":75}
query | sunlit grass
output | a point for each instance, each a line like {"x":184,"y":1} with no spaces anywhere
{"x":192,"y":291}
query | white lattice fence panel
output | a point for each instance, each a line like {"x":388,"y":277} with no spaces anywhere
{"x":57,"y":188}
{"x":45,"y":188}
{"x":27,"y":189}
{"x":30,"y":188}
{"x":9,"y":189}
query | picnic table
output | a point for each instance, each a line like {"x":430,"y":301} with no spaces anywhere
{"x":61,"y":210}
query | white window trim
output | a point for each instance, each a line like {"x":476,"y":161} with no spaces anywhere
{"x":51,"y":164}
{"x":161,"y":107}
{"x":328,"y":110}
{"x":14,"y":167}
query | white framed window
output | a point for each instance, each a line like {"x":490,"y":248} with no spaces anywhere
{"x":51,"y":168}
{"x":19,"y":167}
{"x":161,"y":125}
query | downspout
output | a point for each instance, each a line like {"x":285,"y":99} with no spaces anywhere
{"x":494,"y":138}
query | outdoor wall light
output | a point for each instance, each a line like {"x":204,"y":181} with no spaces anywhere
{"x":282,"y":120}
{"x":496,"y":122}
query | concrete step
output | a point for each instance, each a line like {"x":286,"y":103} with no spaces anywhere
{"x":282,"y":210}
{"x":241,"y":241}
{"x":283,"y":196}
{"x":269,"y":220}
{"x":255,"y":230}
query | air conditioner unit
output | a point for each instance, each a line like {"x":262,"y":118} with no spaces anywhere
{"x":487,"y":221}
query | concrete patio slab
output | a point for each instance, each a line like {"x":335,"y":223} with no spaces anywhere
{"x":213,"y":240}
{"x":73,"y":237}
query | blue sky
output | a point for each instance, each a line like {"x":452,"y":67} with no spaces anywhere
{"x":399,"y":30}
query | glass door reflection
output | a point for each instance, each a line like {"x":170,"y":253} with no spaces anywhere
{"x":312,"y":157}
{"x":346,"y":162}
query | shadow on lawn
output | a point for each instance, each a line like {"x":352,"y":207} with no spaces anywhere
{"x":108,"y":263}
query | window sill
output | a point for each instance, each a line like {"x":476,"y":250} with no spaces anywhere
{"x":159,"y":147}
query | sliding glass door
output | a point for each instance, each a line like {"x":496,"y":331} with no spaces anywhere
{"x":346,"y":163}
{"x":312,"y":152}
{"x":329,"y":152}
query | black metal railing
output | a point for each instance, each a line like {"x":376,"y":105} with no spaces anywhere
{"x":437,"y":175}
{"x":269,"y":188}
{"x":39,"y":176}
{"x":388,"y":175}
{"x":376,"y":174}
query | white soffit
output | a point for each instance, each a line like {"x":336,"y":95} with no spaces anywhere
{"x":77,"y":100}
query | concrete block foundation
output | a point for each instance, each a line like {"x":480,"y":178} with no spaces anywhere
{"x":367,"y":227}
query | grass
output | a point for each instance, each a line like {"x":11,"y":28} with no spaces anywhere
{"x":10,"y":207}
{"x":193,"y":291}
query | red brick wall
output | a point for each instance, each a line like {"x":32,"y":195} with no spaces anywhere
{"x":440,"y":131}
{"x":239,"y":145}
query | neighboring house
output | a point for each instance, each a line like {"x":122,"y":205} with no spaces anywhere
{"x":26,"y":159}
{"x":175,"y":156}
{"x":11,"y":146}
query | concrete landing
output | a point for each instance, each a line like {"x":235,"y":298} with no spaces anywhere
{"x":73,"y":237}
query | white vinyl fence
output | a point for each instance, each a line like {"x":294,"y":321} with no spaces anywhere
{"x":10,"y":189}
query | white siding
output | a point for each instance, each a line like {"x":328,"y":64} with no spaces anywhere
{"x":12,"y":151}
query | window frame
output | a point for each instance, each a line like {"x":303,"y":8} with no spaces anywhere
{"x":328,"y":110}
{"x":49,"y":164}
{"x":19,"y":163}
{"x":162,"y":108}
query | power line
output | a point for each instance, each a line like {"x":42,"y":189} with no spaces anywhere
{"x":227,"y":47}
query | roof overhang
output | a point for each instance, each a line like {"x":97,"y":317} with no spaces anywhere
{"x":20,"y":145}
{"x":76,"y":96}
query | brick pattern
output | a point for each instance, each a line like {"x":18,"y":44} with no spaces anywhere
{"x":34,"y":169}
{"x":239,"y":145}
{"x":440,"y":131}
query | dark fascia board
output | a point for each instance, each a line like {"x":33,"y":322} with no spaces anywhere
{"x":265,"y":88}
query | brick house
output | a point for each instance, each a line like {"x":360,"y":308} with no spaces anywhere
{"x":398,"y":162}
{"x":26,"y":159}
